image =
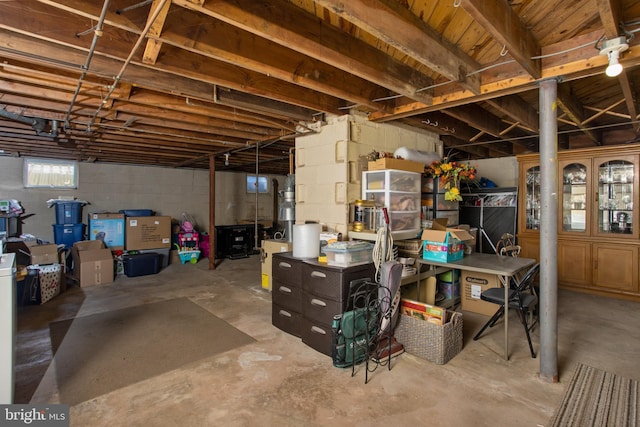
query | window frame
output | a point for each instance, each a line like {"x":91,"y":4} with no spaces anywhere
{"x":30,"y":162}
{"x":261,"y":179}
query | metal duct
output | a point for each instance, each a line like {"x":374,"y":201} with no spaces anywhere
{"x":38,"y":124}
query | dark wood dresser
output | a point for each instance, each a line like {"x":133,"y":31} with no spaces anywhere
{"x":307,"y":294}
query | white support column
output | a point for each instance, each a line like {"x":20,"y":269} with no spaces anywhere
{"x":549,"y":231}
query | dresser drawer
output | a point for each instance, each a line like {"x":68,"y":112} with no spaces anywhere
{"x":333,"y":282}
{"x":320,"y":309}
{"x":317,"y":336}
{"x":286,"y":269}
{"x":286,"y":320}
{"x":287,"y":296}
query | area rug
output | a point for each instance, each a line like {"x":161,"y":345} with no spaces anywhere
{"x":598,"y":398}
{"x":96,"y":354}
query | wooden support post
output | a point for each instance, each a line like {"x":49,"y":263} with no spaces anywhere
{"x":212,"y":212}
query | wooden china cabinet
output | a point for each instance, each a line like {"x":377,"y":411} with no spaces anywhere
{"x":598,"y":229}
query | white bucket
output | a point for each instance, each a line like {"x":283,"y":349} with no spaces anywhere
{"x":306,"y":240}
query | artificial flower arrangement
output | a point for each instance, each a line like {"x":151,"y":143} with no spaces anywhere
{"x":450,"y":174}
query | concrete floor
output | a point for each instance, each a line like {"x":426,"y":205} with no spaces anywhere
{"x":278,"y":380}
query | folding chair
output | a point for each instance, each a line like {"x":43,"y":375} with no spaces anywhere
{"x":522,"y":298}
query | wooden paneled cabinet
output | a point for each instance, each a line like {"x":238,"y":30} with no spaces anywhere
{"x":598,"y":218}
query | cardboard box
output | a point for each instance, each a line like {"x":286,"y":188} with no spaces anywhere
{"x":92,"y":263}
{"x":108,"y":227}
{"x":147,"y":232}
{"x":270,"y":247}
{"x":444,"y":245}
{"x":398,"y":164}
{"x":29,"y":252}
{"x":471,"y":286}
{"x":44,"y":254}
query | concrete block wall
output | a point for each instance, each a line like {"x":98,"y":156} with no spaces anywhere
{"x":329,"y":164}
{"x":167,"y":191}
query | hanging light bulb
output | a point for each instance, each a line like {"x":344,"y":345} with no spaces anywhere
{"x":614,"y":68}
{"x":226,"y":159}
{"x":612,"y":48}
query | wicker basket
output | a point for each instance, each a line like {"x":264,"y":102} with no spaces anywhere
{"x":437,"y":344}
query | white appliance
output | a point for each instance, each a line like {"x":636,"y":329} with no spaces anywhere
{"x":7,"y":326}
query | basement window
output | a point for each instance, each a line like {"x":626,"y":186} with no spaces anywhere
{"x":262,"y":184}
{"x":42,"y":173}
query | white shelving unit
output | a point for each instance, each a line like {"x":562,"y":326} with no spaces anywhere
{"x":399,"y":192}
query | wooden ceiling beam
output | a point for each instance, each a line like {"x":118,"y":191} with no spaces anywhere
{"x":139,"y":95}
{"x":582,"y":62}
{"x":285,"y":24}
{"x":47,"y":100}
{"x":477,"y":117}
{"x":516,"y":108}
{"x":383,"y":18}
{"x":223,"y":42}
{"x":176,"y":67}
{"x":572,"y":107}
{"x":153,"y":46}
{"x":32,"y":50}
{"x":499,"y":19}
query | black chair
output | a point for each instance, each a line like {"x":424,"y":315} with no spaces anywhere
{"x":522,"y":298}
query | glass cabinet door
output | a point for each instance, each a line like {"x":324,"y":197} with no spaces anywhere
{"x":532,"y":198}
{"x":616,"y":195}
{"x":574,"y":197}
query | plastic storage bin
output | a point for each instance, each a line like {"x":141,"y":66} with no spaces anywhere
{"x":67,"y":234}
{"x":136,"y":212}
{"x":346,"y":254}
{"x":163,"y":252}
{"x":68,"y":212}
{"x":141,"y":264}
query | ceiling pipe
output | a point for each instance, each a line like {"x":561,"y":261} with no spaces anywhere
{"x":135,"y":6}
{"x":96,"y":35}
{"x":117,"y":79}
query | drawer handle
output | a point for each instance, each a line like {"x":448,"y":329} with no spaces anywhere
{"x":284,"y":264}
{"x":317,"y":330}
{"x":284,"y":289}
{"x":318,"y":274}
{"x":285,"y":313}
{"x":315,"y":301}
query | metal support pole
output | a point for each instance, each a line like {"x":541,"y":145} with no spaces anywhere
{"x":548,"y":231}
{"x":256,"y":243}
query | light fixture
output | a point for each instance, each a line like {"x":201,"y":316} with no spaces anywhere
{"x":612,"y":48}
{"x":226,"y":159}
